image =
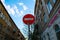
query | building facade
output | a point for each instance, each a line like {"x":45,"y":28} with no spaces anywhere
{"x":47,"y":16}
{"x":8,"y":29}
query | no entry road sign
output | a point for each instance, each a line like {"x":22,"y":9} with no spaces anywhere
{"x":28,"y":19}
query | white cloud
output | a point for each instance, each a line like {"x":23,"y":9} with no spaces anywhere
{"x":13,"y":10}
{"x":21,"y":12}
{"x":3,"y":1}
{"x":9,"y":8}
{"x":18,"y":12}
{"x":34,"y":0}
{"x":23,"y":5}
{"x":16,"y":9}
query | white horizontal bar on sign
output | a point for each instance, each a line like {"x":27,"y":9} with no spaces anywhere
{"x":28,"y":18}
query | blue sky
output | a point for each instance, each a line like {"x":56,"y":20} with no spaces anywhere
{"x":17,"y":9}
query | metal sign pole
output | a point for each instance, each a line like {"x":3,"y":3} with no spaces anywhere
{"x":29,"y":19}
{"x":28,"y":32}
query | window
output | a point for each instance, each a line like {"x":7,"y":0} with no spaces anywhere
{"x":1,"y":15}
{"x":56,"y":27}
{"x":21,"y":38}
{"x":49,"y":7}
{"x":7,"y":30}
{"x":44,"y":38}
{"x":0,"y":11}
{"x":14,"y":30}
{"x":0,"y":26}
{"x":45,"y":18}
{"x":18,"y":34}
{"x":1,"y":38}
{"x":41,"y":38}
{"x":6,"y":37}
{"x":54,"y":1}
{"x":48,"y":36}
{"x":43,"y":14}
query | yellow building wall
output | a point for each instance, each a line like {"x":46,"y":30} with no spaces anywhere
{"x":11,"y":30}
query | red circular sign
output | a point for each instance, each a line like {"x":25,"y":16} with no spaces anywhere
{"x":28,"y":19}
